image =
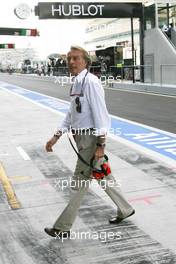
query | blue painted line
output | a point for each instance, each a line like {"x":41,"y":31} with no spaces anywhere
{"x":138,"y":134}
{"x":39,"y":98}
{"x":156,"y":140}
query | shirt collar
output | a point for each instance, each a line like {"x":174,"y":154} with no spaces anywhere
{"x":81,"y":75}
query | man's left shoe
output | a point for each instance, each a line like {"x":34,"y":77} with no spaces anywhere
{"x":57,"y":233}
{"x":117,"y":219}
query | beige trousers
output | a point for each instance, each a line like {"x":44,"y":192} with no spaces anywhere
{"x":86,"y":144}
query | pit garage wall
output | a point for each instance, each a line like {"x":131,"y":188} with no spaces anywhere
{"x":159,"y":51}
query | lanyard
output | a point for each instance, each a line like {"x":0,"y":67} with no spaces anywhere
{"x":82,"y":86}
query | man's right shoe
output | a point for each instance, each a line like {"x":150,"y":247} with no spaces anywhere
{"x":117,"y":219}
{"x":57,"y":233}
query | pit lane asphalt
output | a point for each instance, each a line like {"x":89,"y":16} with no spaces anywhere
{"x":146,"y":238}
{"x":154,"y":110}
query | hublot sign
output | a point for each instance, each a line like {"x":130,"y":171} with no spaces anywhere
{"x":61,"y":10}
{"x":77,"y":10}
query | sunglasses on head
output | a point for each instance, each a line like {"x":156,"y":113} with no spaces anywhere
{"x":78,"y":104}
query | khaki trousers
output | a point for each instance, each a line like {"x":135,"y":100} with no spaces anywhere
{"x":86,"y":144}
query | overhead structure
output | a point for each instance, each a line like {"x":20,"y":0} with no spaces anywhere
{"x":7,"y":46}
{"x":85,"y":10}
{"x":19,"y":32}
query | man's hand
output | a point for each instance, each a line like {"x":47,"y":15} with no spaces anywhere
{"x":99,"y":153}
{"x":51,"y":143}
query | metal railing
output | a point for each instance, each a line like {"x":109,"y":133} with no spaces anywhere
{"x":122,"y":73}
{"x":125,"y":72}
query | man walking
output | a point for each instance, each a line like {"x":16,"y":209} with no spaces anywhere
{"x":89,"y":121}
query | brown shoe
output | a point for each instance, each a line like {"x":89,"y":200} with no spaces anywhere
{"x":117,"y":219}
{"x":56,"y":233}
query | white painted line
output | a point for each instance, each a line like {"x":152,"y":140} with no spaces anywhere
{"x":35,"y":77}
{"x":140,"y":92}
{"x":3,"y":86}
{"x":34,"y":102}
{"x":51,"y":78}
{"x":23,"y":154}
{"x":142,"y":149}
{"x":64,"y":101}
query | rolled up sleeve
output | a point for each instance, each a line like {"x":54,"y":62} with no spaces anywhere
{"x":65,"y":124}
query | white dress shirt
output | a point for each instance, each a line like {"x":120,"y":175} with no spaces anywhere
{"x":94,"y":113}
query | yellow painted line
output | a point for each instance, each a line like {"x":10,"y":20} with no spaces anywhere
{"x":11,"y":197}
{"x":20,"y":178}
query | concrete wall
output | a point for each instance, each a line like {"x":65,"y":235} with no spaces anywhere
{"x":159,"y":51}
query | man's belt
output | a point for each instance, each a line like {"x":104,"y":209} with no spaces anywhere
{"x":79,"y":131}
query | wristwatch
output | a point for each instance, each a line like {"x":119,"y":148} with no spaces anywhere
{"x":101,"y":145}
{"x":57,"y":136}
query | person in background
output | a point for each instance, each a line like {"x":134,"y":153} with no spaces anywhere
{"x":168,"y":32}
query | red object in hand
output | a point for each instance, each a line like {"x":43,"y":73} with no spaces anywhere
{"x":101,"y":168}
